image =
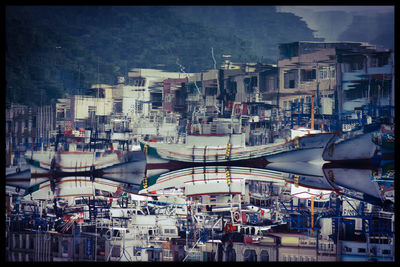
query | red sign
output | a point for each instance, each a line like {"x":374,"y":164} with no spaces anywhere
{"x":244,"y":217}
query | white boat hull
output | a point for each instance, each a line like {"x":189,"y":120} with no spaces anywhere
{"x":354,"y":183}
{"x":20,"y":179}
{"x":79,"y":161}
{"x":213,"y":179}
{"x":309,"y":147}
{"x":358,"y":148}
{"x":70,"y":187}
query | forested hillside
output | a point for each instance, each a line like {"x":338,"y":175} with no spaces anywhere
{"x":262,"y":26}
{"x":54,"y":51}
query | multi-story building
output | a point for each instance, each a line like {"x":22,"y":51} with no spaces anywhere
{"x":250,"y":82}
{"x":83,"y":111}
{"x":342,"y":76}
{"x":217,"y":90}
{"x":300,"y":247}
{"x":174,"y":95}
{"x":43,"y":246}
{"x":377,"y":250}
{"x":26,"y":128}
{"x":367,"y":82}
{"x":143,"y":92}
{"x":202,"y":91}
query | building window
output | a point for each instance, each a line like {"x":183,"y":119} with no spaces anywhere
{"x":308,"y":75}
{"x":250,"y":84}
{"x":92,"y":111}
{"x":361,"y":250}
{"x":118,"y":107}
{"x":54,"y":245}
{"x":332,"y":74}
{"x":290,"y":79}
{"x":212,"y":90}
{"x":168,"y":255}
{"x":31,"y":242}
{"x":139,"y":107}
{"x":271,"y":84}
{"x":102,"y":93}
{"x":231,"y":255}
{"x":264,"y":255}
{"x":373,"y":62}
{"x":250,"y":255}
{"x":324,"y":74}
{"x":65,"y":246}
{"x":386,"y":251}
{"x":169,"y":231}
{"x":138,"y":81}
{"x":353,"y":94}
{"x":356,"y":65}
{"x":347,"y":249}
{"x":116,"y":251}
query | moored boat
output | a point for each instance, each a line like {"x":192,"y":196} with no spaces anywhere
{"x":353,"y":145}
{"x":18,"y":176}
{"x":354,"y":183}
{"x":230,"y":147}
{"x":222,"y":179}
{"x":76,"y":154}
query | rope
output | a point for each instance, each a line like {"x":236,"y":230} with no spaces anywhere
{"x":228,"y":176}
{"x":296,"y":142}
{"x":228,"y":151}
{"x":145,"y":148}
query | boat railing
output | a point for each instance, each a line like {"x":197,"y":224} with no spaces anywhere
{"x":206,"y":154}
{"x":382,"y":214}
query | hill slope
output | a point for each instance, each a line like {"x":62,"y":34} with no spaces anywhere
{"x":54,"y":51}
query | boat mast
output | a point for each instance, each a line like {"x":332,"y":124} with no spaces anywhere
{"x":217,"y":74}
{"x":312,"y":111}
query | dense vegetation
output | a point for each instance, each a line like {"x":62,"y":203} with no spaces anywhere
{"x":55,"y":51}
{"x":261,"y":25}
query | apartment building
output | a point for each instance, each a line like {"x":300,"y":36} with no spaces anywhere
{"x":142,"y":94}
{"x":27,"y":127}
{"x":343,"y":77}
{"x":300,"y":247}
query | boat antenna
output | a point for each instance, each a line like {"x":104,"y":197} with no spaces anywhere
{"x":215,"y":67}
{"x":212,"y":54}
{"x":182,"y":68}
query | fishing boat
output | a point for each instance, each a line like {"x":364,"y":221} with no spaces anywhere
{"x":225,"y":179}
{"x":72,"y":187}
{"x":18,"y":176}
{"x":352,"y":145}
{"x":78,"y":153}
{"x":354,"y":183}
{"x":222,"y":142}
{"x":249,"y":195}
{"x":385,"y":137}
{"x":140,"y":230}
